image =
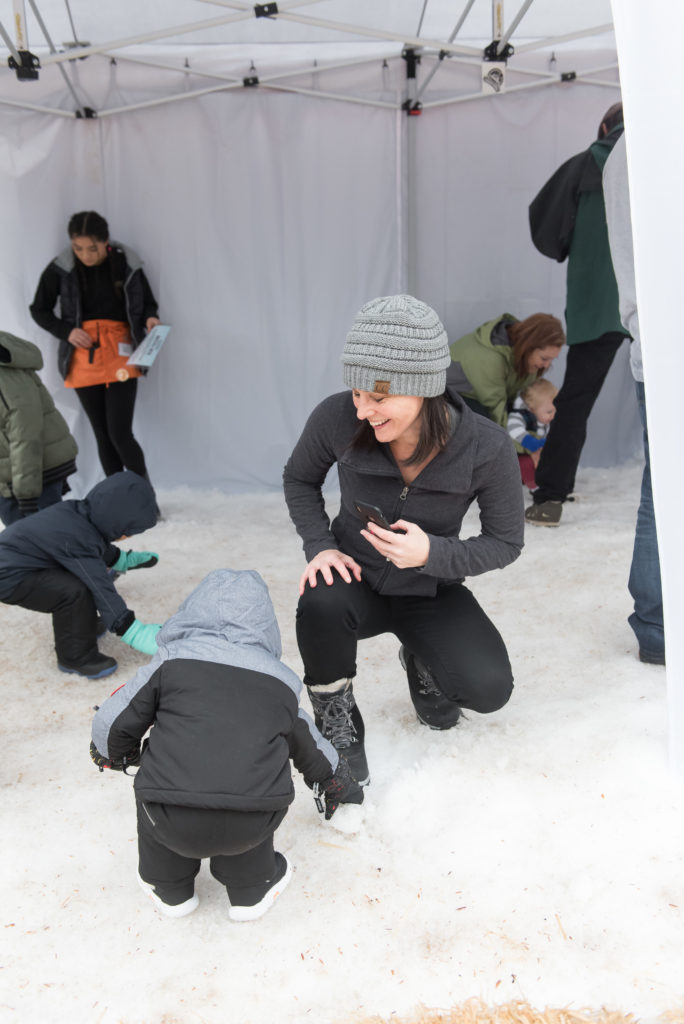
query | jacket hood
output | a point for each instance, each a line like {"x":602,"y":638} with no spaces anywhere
{"x":228,"y":618}
{"x":232,"y":604}
{"x":18,"y":353}
{"x":123,"y":504}
{"x":67,"y":260}
{"x":490,"y":335}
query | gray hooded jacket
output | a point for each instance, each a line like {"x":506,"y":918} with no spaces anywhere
{"x":223,"y":708}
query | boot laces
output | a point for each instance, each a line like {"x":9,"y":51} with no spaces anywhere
{"x":335,"y":715}
{"x":428,"y":686}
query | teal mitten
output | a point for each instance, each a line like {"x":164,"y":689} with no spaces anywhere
{"x":142,"y":636}
{"x":135,"y":560}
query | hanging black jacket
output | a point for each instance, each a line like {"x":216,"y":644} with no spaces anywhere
{"x":223,"y":708}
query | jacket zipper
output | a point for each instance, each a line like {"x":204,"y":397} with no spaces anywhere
{"x":402,"y":497}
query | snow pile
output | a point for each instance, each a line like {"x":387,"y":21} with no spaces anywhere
{"x":536,"y":854}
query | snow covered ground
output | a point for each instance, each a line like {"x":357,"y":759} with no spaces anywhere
{"x":535,"y":854}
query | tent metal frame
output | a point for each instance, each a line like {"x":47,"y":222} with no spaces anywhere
{"x":291,"y":10}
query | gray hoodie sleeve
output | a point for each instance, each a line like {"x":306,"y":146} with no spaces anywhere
{"x":125,"y":717}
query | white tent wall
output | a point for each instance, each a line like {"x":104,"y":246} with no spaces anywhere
{"x":265,"y":219}
{"x":653,"y":96}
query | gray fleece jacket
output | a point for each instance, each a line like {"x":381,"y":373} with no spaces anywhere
{"x":478,"y":464}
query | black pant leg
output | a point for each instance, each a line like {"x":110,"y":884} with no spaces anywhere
{"x":330,"y":622}
{"x":74,"y":615}
{"x":172,"y":874}
{"x":119,"y":410}
{"x":455,"y":639}
{"x":585,"y":371}
{"x":92,"y":400}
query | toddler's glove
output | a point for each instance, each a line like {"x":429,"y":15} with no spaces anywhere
{"x":117,"y":764}
{"x":135,"y":560}
{"x":342,"y":788}
{"x":142,"y":636}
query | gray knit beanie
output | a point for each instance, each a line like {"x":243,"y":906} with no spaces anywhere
{"x":397,"y":346}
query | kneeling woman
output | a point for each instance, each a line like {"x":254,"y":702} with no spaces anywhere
{"x":421,"y":456}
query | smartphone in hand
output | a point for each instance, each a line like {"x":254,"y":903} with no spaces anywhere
{"x":371,"y":514}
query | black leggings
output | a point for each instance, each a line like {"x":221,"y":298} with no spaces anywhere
{"x":110,"y":407}
{"x":449,"y":633}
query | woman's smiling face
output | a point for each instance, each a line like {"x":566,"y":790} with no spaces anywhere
{"x":391,"y":417}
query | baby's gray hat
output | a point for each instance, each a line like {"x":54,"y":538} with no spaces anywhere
{"x":397,"y":346}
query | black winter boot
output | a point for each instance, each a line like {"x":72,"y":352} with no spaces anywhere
{"x":97,"y":666}
{"x":432,"y":707}
{"x":338,"y":718}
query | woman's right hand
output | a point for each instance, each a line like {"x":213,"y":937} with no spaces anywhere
{"x":325,"y":562}
{"x":80,"y":338}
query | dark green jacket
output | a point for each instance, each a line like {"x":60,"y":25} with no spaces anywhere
{"x":482,"y":368}
{"x":568,"y":220}
{"x":35,"y":443}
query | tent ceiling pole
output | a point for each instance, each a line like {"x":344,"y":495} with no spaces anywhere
{"x":245,"y":14}
{"x":9,"y":44}
{"x":37,"y":109}
{"x":147,"y":37}
{"x":125,"y":58}
{"x":442,"y":54}
{"x":513,"y":25}
{"x":81,"y":107}
{"x":546,"y":82}
{"x":372,"y":33}
{"x":540,"y":44}
{"x":227,"y":86}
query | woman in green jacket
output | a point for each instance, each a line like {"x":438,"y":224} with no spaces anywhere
{"x":496,"y":361}
{"x":37,"y":452}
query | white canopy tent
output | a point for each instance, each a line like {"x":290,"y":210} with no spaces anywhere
{"x":276,"y":166}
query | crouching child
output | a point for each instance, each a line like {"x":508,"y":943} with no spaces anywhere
{"x":214,"y":774}
{"x":62,"y":560}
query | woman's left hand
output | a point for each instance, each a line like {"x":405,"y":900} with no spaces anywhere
{"x":407,"y":550}
{"x":152,"y":321}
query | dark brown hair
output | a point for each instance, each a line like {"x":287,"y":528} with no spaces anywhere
{"x":88,"y":224}
{"x":540,"y":330}
{"x":434,"y":431}
{"x":611,"y":119}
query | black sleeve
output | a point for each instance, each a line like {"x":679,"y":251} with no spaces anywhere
{"x":554,"y":209}
{"x":307,"y":757}
{"x":150,"y":307}
{"x":44,"y":302}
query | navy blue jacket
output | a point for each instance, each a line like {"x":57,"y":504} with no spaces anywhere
{"x":77,"y":536}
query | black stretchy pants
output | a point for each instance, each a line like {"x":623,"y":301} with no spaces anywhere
{"x":110,"y":408}
{"x":74,"y":615}
{"x":172,"y":841}
{"x":585,"y":371}
{"x":449,"y":633}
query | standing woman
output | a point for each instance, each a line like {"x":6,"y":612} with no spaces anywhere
{"x":106,"y":307}
{"x":422,"y":457}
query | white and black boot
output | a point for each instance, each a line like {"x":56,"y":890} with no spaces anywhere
{"x":338,"y":718}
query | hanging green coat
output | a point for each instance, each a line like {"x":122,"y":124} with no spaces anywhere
{"x":35,"y":444}
{"x":483,"y":368}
